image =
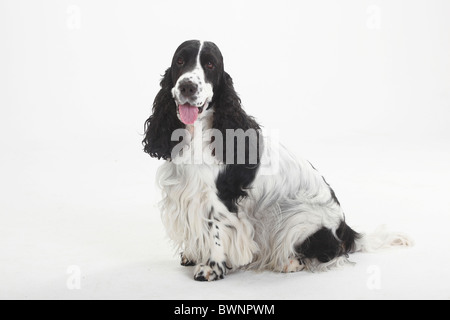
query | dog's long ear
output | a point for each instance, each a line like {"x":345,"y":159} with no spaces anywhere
{"x":228,"y":112}
{"x":163,"y":121}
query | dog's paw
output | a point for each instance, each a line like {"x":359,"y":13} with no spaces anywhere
{"x":294,"y":265}
{"x":186,"y":262}
{"x":210,"y":271}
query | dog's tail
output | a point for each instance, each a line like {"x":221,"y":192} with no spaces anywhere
{"x":380,"y":239}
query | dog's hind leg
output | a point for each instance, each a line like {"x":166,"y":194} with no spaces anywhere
{"x":292,"y":265}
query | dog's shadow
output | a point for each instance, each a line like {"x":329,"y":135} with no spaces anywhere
{"x":242,"y":275}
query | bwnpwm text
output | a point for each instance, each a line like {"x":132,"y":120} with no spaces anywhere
{"x":246,"y":309}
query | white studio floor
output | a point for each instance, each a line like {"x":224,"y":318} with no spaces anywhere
{"x":102,"y":220}
{"x":359,"y":88}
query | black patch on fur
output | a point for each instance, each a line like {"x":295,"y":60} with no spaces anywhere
{"x":348,"y":236}
{"x":232,"y":184}
{"x":324,"y":246}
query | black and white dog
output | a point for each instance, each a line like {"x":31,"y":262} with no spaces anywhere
{"x":232,"y":199}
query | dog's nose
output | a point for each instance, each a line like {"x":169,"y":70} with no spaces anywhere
{"x":187,"y":88}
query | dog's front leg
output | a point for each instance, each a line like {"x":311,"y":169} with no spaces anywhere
{"x":216,"y":266}
{"x":231,"y":244}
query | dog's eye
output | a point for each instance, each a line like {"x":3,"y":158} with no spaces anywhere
{"x":209,"y":65}
{"x":180,"y":61}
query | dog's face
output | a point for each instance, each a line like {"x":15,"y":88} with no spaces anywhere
{"x":195,"y":88}
{"x":197,"y":69}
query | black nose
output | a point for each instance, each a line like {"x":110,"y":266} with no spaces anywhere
{"x":187,"y":88}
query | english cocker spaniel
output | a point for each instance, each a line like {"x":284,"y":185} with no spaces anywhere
{"x":231,"y":197}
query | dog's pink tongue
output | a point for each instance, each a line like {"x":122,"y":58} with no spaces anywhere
{"x":188,"y":113}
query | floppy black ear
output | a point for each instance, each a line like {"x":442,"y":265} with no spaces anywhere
{"x":236,"y":178}
{"x":163,"y":121}
{"x":228,"y":112}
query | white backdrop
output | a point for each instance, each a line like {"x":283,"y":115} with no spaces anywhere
{"x":360,"y":88}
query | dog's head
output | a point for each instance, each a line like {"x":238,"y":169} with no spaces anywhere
{"x":195,"y":86}
{"x":196,"y":71}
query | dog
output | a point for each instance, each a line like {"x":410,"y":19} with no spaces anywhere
{"x":231,"y":198}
